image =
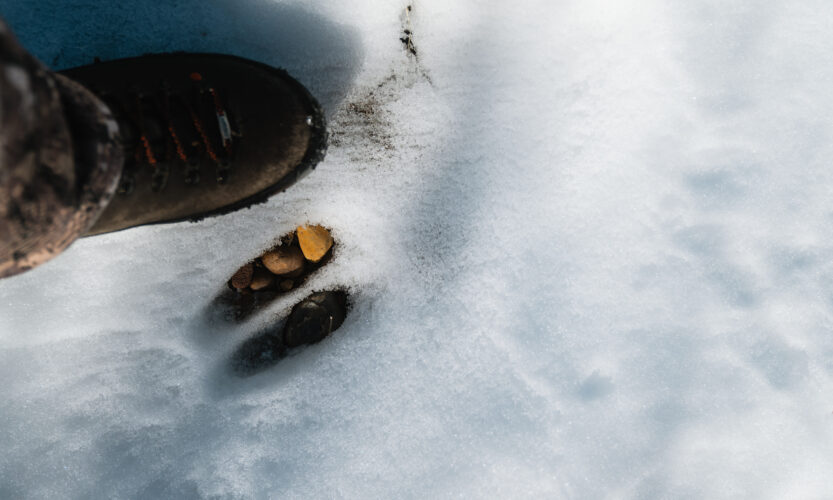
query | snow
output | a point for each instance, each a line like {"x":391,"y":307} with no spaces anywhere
{"x":586,"y":244}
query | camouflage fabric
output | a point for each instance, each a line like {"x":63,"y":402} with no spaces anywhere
{"x":60,"y":159}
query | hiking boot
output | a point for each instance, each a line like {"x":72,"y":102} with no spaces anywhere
{"x":203,"y":134}
{"x":315,"y":317}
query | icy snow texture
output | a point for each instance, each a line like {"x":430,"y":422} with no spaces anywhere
{"x":588,"y":244}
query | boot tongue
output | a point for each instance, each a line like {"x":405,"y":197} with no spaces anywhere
{"x":155,"y":131}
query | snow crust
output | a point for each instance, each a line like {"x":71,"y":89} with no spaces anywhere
{"x":587,"y":245}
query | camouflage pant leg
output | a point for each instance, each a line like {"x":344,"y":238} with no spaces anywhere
{"x":60,"y":159}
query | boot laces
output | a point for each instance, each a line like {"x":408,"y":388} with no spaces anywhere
{"x":167,"y":128}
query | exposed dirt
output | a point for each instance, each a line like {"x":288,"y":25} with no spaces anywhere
{"x":238,"y":301}
{"x":364,"y":123}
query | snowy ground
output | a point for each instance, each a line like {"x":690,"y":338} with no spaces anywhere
{"x":588,"y":245}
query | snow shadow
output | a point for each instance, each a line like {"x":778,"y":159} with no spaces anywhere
{"x":258,"y":353}
{"x":322,"y":54}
